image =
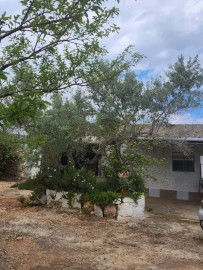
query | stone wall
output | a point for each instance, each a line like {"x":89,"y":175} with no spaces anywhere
{"x":121,"y":209}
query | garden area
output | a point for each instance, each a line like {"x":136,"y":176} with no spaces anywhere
{"x":68,"y":186}
{"x":52,"y":238}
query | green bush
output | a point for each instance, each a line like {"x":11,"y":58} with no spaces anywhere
{"x":69,"y":197}
{"x":49,"y":178}
{"x":9,"y":159}
{"x":103,"y":198}
{"x":134,"y":183}
{"x":82,"y":180}
{"x":117,"y":163}
{"x":26,"y":185}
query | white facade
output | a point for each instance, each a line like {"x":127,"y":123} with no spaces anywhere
{"x":184,"y":185}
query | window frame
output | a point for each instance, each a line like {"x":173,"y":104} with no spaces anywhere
{"x":186,"y":163}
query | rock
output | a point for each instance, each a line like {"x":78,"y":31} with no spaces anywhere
{"x":65,"y":203}
{"x":53,"y":195}
{"x":98,"y":211}
{"x":75,"y":203}
{"x":88,"y":208}
{"x":128,"y":200}
{"x":19,"y":238}
{"x":88,"y":205}
{"x":130,"y":209}
{"x":43,"y":199}
{"x":125,"y":210}
{"x":55,"y":204}
{"x":118,"y":201}
{"x":110,"y":211}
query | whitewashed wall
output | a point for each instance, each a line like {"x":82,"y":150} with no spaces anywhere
{"x":167,"y":179}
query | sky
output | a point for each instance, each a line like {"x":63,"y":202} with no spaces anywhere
{"x":160,"y":30}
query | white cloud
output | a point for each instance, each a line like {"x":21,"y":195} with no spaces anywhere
{"x":160,"y":29}
{"x":185,"y":118}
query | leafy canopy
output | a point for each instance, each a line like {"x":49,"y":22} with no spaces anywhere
{"x":48,"y":46}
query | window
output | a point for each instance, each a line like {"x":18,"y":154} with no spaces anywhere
{"x":182,"y":163}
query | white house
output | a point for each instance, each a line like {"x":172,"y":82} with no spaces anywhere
{"x":180,"y":177}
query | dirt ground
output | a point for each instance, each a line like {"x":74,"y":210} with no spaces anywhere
{"x":40,"y":238}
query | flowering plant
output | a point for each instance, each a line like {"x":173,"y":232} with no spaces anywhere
{"x":81,"y":180}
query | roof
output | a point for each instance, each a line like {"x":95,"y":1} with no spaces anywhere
{"x":192,"y":133}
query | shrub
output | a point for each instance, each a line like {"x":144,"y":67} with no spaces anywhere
{"x":26,"y":185}
{"x":73,"y":180}
{"x":49,"y":178}
{"x":9,"y":159}
{"x":69,"y":197}
{"x":103,"y":198}
{"x":134,"y":183}
{"x":82,"y":180}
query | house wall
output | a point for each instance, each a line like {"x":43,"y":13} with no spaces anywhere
{"x":171,"y":184}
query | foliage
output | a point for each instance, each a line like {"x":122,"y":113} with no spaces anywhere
{"x":178,"y":91}
{"x":115,"y":112}
{"x":49,"y":46}
{"x":85,"y":197}
{"x":78,"y":180}
{"x":103,"y":198}
{"x":62,"y":129}
{"x":26,"y":185}
{"x":134,"y":183}
{"x":132,"y":159}
{"x":69,"y":196}
{"x":49,"y":178}
{"x":125,"y":104}
{"x":10,"y":155}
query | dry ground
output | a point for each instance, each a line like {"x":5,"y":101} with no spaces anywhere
{"x":37,"y":238}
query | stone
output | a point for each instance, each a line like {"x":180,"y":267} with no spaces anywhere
{"x":125,"y":210}
{"x":98,"y":211}
{"x":75,"y":203}
{"x":55,"y":204}
{"x":118,"y":201}
{"x":128,"y":200}
{"x":110,"y":211}
{"x":88,"y":205}
{"x":65,"y":203}
{"x":53,"y":195}
{"x":59,"y":196}
{"x":43,"y":199}
{"x":130,"y":209}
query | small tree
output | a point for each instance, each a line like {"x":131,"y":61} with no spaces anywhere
{"x":129,"y":111}
{"x":62,"y":128}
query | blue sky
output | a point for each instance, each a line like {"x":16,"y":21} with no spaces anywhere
{"x":159,"y":29}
